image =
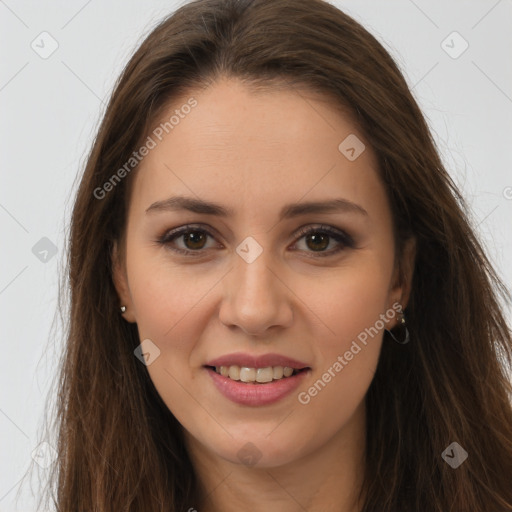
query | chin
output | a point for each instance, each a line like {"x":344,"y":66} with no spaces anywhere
{"x":257,"y":451}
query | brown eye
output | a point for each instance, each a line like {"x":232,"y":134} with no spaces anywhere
{"x":318,"y":239}
{"x":193,"y":240}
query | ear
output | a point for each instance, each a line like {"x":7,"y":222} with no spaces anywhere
{"x":403,"y":275}
{"x":120,"y":278}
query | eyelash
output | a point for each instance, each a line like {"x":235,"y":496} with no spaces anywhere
{"x":339,"y":236}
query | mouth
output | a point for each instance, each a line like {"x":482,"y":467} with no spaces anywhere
{"x":264,"y":375}
{"x":256,"y":387}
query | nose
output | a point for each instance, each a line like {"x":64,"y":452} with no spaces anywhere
{"x":256,"y":296}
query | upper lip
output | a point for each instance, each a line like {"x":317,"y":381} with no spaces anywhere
{"x":251,"y":361}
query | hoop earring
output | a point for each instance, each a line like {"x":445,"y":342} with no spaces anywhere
{"x":400,"y":330}
{"x":123,"y":309}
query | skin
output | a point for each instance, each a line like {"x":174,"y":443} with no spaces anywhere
{"x":254,"y":152}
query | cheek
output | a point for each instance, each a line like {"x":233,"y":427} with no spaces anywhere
{"x":169,"y":304}
{"x":347,"y":341}
{"x":166,"y":295}
{"x":347,"y":301}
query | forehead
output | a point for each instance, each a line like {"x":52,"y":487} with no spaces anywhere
{"x":242,"y":146}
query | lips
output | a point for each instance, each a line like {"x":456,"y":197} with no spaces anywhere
{"x":254,"y":394}
{"x":251,"y":361}
{"x":267,"y":390}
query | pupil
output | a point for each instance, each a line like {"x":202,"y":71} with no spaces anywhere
{"x":194,"y":237}
{"x":318,"y":238}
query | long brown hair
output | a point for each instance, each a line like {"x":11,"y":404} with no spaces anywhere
{"x":120,"y":448}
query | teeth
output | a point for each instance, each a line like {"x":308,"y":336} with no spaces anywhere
{"x":260,"y":375}
{"x":233,"y":372}
{"x":278,"y":372}
{"x":287,"y":371}
{"x":264,"y":374}
{"x":247,"y":374}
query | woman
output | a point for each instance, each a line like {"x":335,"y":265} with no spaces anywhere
{"x":277,"y":300}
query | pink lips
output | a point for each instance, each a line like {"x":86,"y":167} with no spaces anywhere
{"x":256,"y":394}
{"x":249,"y":361}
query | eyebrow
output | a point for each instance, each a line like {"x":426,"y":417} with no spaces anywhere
{"x":288,"y":211}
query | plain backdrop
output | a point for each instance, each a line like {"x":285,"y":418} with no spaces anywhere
{"x":51,"y":106}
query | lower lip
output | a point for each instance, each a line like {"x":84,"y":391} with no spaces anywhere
{"x":256,"y":394}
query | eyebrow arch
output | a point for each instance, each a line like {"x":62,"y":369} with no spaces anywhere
{"x":288,"y":211}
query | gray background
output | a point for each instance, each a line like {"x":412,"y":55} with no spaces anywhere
{"x":51,"y":108}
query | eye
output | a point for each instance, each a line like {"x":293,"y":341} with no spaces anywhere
{"x":317,"y":239}
{"x":194,"y":239}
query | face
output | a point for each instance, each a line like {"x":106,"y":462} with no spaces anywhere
{"x":255,"y":279}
